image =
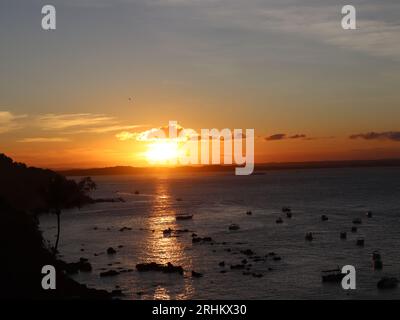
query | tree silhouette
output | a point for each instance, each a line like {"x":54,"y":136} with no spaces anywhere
{"x":37,"y":190}
{"x":62,"y":193}
{"x":86,"y":186}
{"x":58,"y":195}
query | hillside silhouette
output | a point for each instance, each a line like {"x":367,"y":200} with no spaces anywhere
{"x":30,"y":189}
{"x":259,"y":167}
{"x":24,"y":193}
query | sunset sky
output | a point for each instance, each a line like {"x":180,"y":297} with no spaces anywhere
{"x":80,"y":95}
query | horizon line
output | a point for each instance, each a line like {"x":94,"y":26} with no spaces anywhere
{"x":260,"y":166}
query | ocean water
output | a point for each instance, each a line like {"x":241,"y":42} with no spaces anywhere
{"x":218,"y":200}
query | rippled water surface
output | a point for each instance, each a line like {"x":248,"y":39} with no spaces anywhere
{"x":218,"y":200}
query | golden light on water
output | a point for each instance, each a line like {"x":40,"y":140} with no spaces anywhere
{"x":163,"y":249}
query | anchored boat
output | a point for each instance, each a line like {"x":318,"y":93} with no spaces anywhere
{"x":334,"y":275}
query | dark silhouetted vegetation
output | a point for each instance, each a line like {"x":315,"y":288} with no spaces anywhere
{"x":38,"y":190}
{"x":24,"y":193}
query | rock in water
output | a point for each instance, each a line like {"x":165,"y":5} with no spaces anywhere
{"x":234,"y":227}
{"x":153,"y":266}
{"x":196,"y":274}
{"x":109,"y":273}
{"x":111,"y":250}
{"x":387,"y":283}
{"x":309,"y":236}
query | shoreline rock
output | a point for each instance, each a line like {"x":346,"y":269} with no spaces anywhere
{"x":153,"y":266}
{"x":108,"y":200}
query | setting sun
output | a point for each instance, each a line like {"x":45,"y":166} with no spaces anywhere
{"x":162,"y":151}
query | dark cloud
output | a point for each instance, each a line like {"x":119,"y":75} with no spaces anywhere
{"x":283,"y":136}
{"x":298,"y":136}
{"x":274,"y":137}
{"x":389,"y":135}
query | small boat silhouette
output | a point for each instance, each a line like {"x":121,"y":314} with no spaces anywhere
{"x":376,"y":255}
{"x":184,"y":217}
{"x":167,"y":232}
{"x":377,"y":260}
{"x":360,"y":242}
{"x":234,"y":226}
{"x":334,"y":275}
{"x":387,"y":283}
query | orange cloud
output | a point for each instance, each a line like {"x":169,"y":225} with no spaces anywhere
{"x":55,"y":139}
{"x":9,"y":121}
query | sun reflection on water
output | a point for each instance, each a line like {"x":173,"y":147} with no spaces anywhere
{"x":163,"y":249}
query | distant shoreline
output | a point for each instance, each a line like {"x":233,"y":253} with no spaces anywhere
{"x":259,"y":168}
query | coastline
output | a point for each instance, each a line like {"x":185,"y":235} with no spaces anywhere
{"x":25,"y":193}
{"x":26,"y":255}
{"x":258,"y":169}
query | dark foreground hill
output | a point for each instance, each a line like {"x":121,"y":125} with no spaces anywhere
{"x":24,"y":255}
{"x":24,"y":192}
{"x":33,"y":189}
